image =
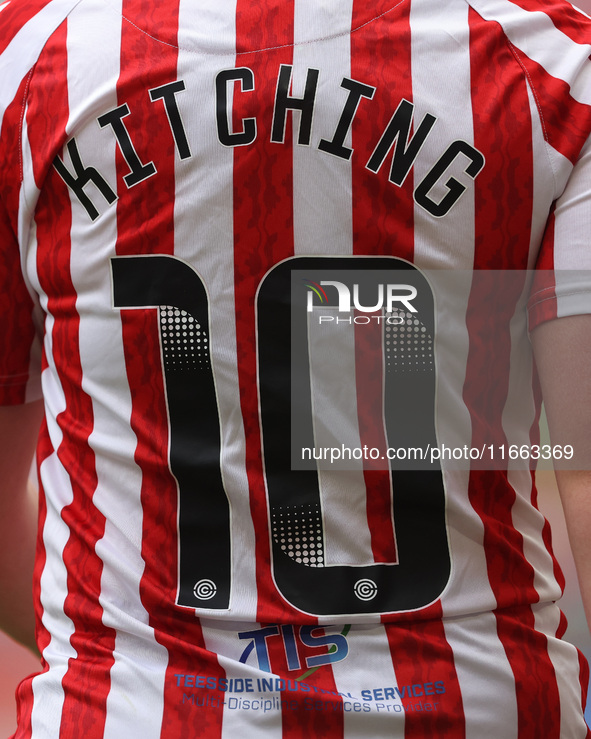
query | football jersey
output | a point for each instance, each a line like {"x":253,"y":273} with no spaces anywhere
{"x":272,"y":267}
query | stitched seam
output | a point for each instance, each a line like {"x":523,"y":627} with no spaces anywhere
{"x":256,"y":51}
{"x":514,"y":51}
{"x":540,"y":113}
{"x":566,"y":294}
{"x":21,"y":165}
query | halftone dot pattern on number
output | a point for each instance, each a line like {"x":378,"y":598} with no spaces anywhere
{"x":184,"y":341}
{"x":409,"y":346}
{"x":298,"y":531}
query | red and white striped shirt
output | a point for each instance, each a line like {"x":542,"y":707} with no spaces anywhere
{"x":170,"y":174}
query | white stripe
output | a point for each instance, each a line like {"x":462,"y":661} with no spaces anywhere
{"x":47,"y":690}
{"x":321,"y":182}
{"x":572,"y":220}
{"x":204,"y":237}
{"x":209,"y":28}
{"x":264,"y":718}
{"x":572,"y":224}
{"x":485,"y":676}
{"x":565,"y":659}
{"x":28,"y":245}
{"x":529,"y":523}
{"x":519,"y":411}
{"x":571,"y":256}
{"x":323,"y":213}
{"x":22,"y":52}
{"x":443,"y":33}
{"x":551,"y":171}
{"x":27,"y":198}
{"x":48,"y":693}
{"x":368,"y":667}
{"x":444,"y":243}
{"x":343,"y":492}
{"x":138,"y":658}
{"x":534,"y":34}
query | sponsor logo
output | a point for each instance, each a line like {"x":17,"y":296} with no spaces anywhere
{"x":295,"y":644}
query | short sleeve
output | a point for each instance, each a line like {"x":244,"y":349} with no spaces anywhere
{"x":562,"y":282}
{"x":19,"y":368}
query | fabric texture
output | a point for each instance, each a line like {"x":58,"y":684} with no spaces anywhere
{"x":183,"y":186}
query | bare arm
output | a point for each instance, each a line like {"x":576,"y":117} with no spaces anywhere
{"x":563,"y":355}
{"x":19,"y":426}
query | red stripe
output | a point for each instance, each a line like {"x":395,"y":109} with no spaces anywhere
{"x":503,"y":200}
{"x":11,"y":161}
{"x":383,"y":220}
{"x":145,"y":225}
{"x":382,"y":212}
{"x":534,"y":440}
{"x":44,"y":450}
{"x":565,"y":121}
{"x":383,"y":223}
{"x":303,"y":723}
{"x":536,"y":689}
{"x":86,"y":683}
{"x":502,"y":132}
{"x":565,"y":18}
{"x":422,"y":656}
{"x":15,"y":16}
{"x":16,"y":330}
{"x":263,"y":204}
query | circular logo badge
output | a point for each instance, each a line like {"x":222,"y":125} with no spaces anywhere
{"x":205,"y":589}
{"x":365,"y":589}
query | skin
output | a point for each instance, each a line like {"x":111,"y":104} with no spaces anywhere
{"x":19,"y":427}
{"x":562,"y":349}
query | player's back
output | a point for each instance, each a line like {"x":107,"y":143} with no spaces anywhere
{"x":279,"y":257}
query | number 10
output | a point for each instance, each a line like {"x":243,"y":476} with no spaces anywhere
{"x":173,"y":288}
